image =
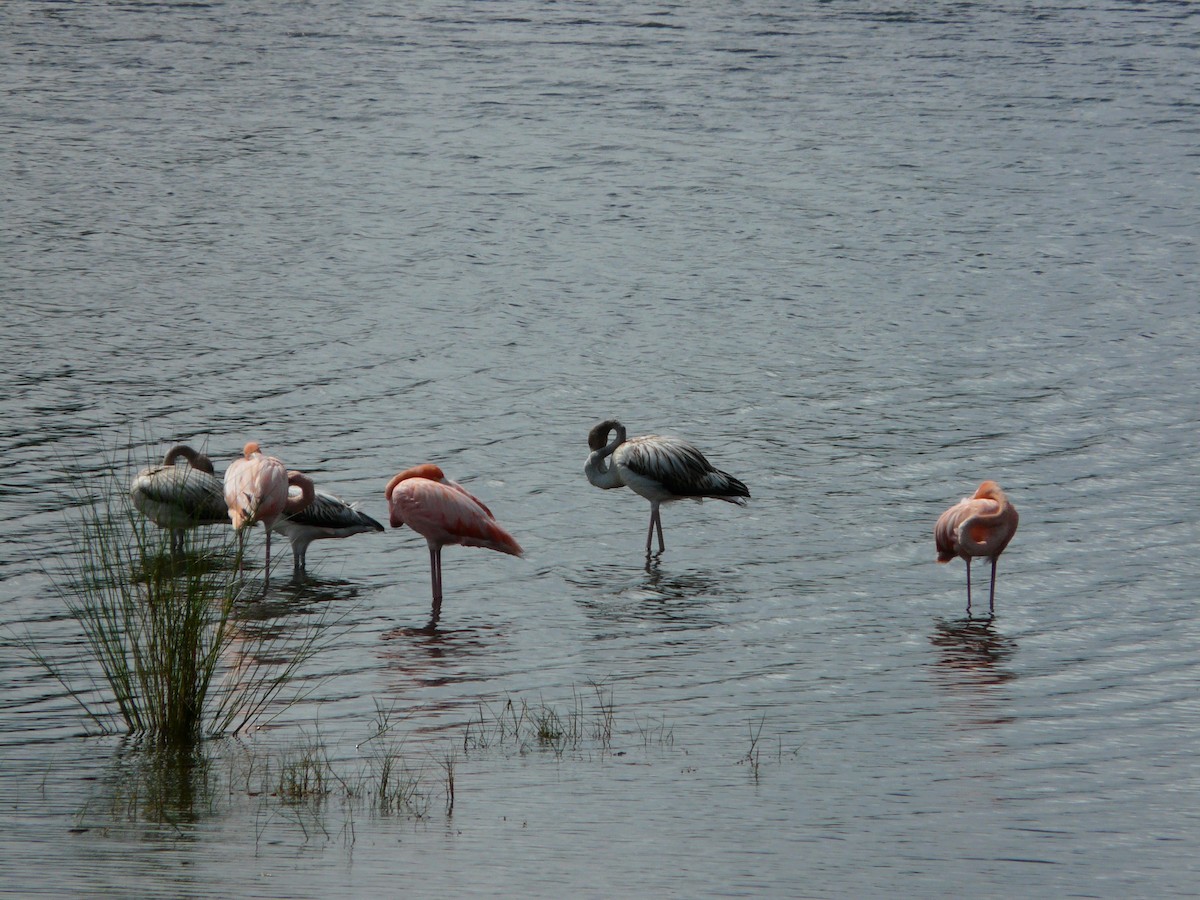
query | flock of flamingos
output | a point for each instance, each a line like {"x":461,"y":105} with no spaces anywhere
{"x":257,"y":488}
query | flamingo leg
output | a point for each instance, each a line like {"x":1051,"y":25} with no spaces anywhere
{"x":968,"y":585}
{"x":992,"y":594}
{"x":435,"y":571}
{"x":267,"y":570}
{"x":435,"y":576}
{"x":655,"y":524}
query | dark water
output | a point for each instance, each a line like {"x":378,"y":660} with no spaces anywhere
{"x":865,"y":254}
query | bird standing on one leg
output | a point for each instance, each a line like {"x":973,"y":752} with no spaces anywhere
{"x":179,"y":497}
{"x":443,"y":512}
{"x":256,"y":490}
{"x":981,"y":525}
{"x":661,"y":469}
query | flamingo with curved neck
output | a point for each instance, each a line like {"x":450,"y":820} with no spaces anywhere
{"x":256,"y":490}
{"x":326,"y":517}
{"x":443,"y":512}
{"x":662,"y":469}
{"x":979,"y":526}
{"x":179,"y":497}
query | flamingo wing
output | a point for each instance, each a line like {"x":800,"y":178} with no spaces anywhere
{"x":328,"y":511}
{"x":178,"y":496}
{"x":462,"y":490}
{"x":958,"y":531}
{"x":447,"y":514}
{"x":679,"y":468}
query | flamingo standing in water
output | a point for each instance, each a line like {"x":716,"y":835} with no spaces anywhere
{"x":981,"y":525}
{"x":443,"y":512}
{"x":179,"y":497}
{"x":326,"y":517}
{"x":256,"y":490}
{"x":661,"y":469}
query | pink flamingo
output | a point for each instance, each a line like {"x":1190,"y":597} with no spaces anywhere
{"x":443,"y":512}
{"x":256,"y":490}
{"x":977,"y":526}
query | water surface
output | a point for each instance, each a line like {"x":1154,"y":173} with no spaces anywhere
{"x":865,"y":255}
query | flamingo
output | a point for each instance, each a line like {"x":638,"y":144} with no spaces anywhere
{"x":179,"y":497}
{"x":326,"y":517}
{"x":256,"y":490}
{"x":443,"y":512}
{"x":981,"y":525}
{"x":661,"y":469}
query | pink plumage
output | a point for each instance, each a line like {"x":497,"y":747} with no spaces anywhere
{"x":978,"y":526}
{"x":444,"y":512}
{"x":256,"y":490}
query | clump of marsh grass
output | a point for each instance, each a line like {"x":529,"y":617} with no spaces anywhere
{"x":396,"y":786}
{"x":168,"y":657}
{"x":753,"y":756}
{"x":654,"y":732}
{"x":316,"y":790}
{"x":540,"y":726}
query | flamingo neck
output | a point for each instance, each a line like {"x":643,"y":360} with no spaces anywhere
{"x":307,"y":493}
{"x":598,"y":470}
{"x":424,"y":470}
{"x":195,"y":460}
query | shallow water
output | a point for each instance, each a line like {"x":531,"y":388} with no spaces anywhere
{"x":864,"y":255}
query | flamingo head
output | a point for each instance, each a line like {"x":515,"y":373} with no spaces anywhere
{"x":598,"y":436}
{"x":194,"y":459}
{"x":989,"y":490}
{"x":251,"y":449}
{"x":425,"y":470}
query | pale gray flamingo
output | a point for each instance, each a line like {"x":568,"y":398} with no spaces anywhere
{"x":443,"y":512}
{"x":326,"y":517}
{"x":978,"y":526}
{"x":661,"y":469}
{"x":179,"y":497}
{"x":256,"y":490}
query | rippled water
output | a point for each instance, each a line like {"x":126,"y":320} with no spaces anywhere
{"x":865,"y":254}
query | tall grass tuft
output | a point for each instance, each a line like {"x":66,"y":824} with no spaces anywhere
{"x":169,"y":659}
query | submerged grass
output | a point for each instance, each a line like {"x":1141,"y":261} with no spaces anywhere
{"x":318,"y":789}
{"x":540,"y":726}
{"x":169,"y":658}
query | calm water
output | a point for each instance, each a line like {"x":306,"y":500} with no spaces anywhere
{"x":865,"y":254}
